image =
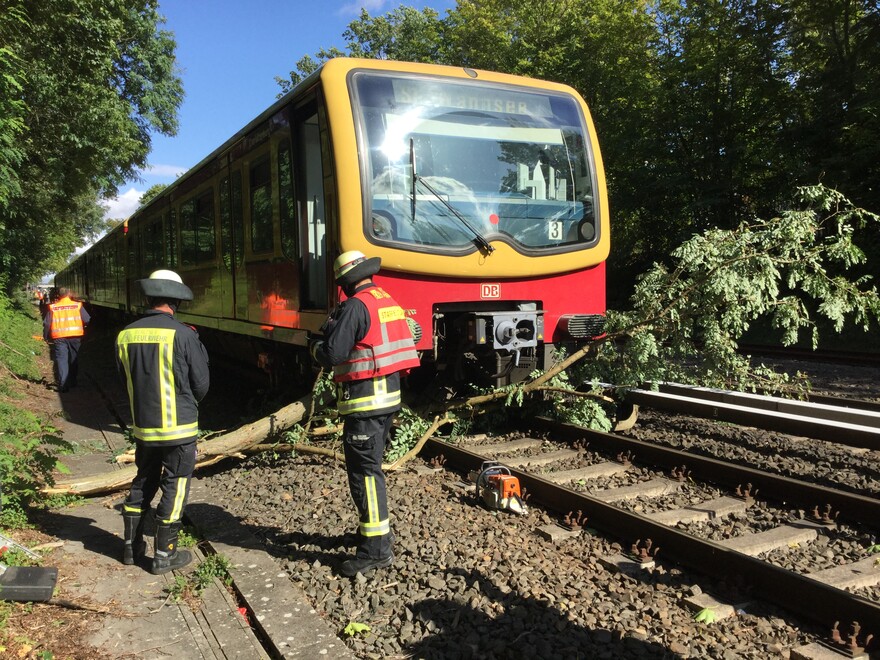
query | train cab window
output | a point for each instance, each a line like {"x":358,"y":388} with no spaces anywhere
{"x":498,"y":162}
{"x":261,"y":207}
{"x":286,"y":202}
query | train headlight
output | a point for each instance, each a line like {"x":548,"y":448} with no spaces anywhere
{"x":587,"y":231}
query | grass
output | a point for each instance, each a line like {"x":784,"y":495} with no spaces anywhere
{"x":29,"y":444}
{"x":189,"y":588}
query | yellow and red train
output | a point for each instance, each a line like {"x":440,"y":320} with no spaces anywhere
{"x":483,"y":193}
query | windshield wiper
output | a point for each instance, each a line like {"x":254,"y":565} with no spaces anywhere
{"x":478,"y":239}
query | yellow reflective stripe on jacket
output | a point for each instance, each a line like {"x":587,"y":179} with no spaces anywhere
{"x":380,"y":399}
{"x":174,"y":433}
{"x":166,"y":383}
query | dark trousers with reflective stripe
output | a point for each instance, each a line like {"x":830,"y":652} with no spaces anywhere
{"x":364,"y":442}
{"x":65,"y":354}
{"x":168,"y":468}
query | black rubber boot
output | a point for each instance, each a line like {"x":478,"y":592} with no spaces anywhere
{"x":135,"y":547}
{"x":168,"y":557}
{"x":351,"y":567}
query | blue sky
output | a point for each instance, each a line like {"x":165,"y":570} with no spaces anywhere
{"x":228,"y":53}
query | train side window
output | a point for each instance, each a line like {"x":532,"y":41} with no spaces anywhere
{"x":289,"y":231}
{"x":205,"y":242}
{"x":237,"y":219}
{"x":133,"y":269}
{"x":261,"y":207}
{"x":197,"y":229}
{"x":188,"y":249}
{"x":153,"y":251}
{"x":226,"y":243}
{"x":171,"y":238}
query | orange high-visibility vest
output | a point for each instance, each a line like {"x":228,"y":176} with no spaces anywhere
{"x":66,"y":319}
{"x":388,"y":346}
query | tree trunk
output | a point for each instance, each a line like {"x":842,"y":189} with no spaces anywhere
{"x":209,"y":452}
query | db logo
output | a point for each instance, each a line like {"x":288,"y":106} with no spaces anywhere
{"x":490,"y":291}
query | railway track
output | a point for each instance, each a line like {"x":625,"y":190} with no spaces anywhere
{"x":558,"y":474}
{"x":859,"y":358}
{"x":855,"y":423}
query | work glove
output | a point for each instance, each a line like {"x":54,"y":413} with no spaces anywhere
{"x":313,"y":348}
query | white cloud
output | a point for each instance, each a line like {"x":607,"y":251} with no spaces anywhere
{"x":122,"y":206}
{"x":164,"y":170}
{"x":354,"y":8}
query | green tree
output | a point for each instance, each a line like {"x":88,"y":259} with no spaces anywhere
{"x":96,"y":79}
{"x":791,"y":272}
{"x":711,"y":150}
{"x":404,"y":34}
{"x":12,"y":107}
{"x":835,"y":53}
{"x":151,"y":193}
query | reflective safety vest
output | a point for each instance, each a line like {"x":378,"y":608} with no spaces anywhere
{"x":66,"y":319}
{"x":388,"y":345}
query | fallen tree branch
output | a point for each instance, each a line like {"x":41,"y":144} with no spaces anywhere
{"x":400,"y":462}
{"x":208,"y":452}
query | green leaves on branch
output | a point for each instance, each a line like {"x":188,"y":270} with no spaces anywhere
{"x":410,"y":429}
{"x":688,"y":315}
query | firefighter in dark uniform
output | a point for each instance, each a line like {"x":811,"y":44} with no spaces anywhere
{"x":64,"y":325}
{"x":165,"y":368}
{"x":368,"y":343}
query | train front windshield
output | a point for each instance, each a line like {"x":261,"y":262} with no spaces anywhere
{"x":450,"y":164}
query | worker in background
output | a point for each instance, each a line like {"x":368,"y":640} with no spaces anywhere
{"x":64,"y":326}
{"x":368,"y":343}
{"x":165,"y":368}
{"x":44,"y":305}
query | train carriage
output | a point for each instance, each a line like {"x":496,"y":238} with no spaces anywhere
{"x":483,"y":193}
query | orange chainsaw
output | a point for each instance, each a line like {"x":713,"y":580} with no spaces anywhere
{"x":499,"y":489}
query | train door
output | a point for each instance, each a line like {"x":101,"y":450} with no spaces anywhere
{"x":311,"y":210}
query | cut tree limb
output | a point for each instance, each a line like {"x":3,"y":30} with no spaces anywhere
{"x":209,"y":452}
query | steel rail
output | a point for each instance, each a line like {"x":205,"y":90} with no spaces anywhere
{"x":858,"y":404}
{"x":863,"y":413}
{"x":815,"y":601}
{"x":858,"y":358}
{"x":771,"y":413}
